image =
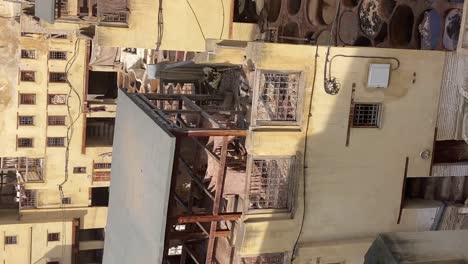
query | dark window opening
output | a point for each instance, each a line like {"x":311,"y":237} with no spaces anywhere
{"x":66,"y":200}
{"x":57,"y":77}
{"x":55,"y":141}
{"x":79,"y":170}
{"x":57,"y":55}
{"x":25,"y":142}
{"x":53,"y":237}
{"x":245,"y":12}
{"x":91,"y":234}
{"x":27,"y":99}
{"x":28,"y":76}
{"x":367,"y":115}
{"x":28,"y":54}
{"x":100,"y":196}
{"x":100,"y":132}
{"x":26,"y":120}
{"x":90,"y":256}
{"x":56,"y":120}
{"x":102,"y":86}
{"x":10,"y":240}
{"x":102,"y":166}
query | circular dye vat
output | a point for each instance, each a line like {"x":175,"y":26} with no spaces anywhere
{"x":452,"y":29}
{"x":430,"y":30}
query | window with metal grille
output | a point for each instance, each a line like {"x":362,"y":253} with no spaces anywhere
{"x":28,"y":76}
{"x":28,"y":54}
{"x":269,"y":258}
{"x":57,"y":77}
{"x":51,"y":237}
{"x":367,"y":115}
{"x":278,"y":97}
{"x":271,"y":184}
{"x":57,"y":55}
{"x":99,"y":166}
{"x":26,"y":120}
{"x":57,"y":99}
{"x":56,"y":120}
{"x":117,"y":17}
{"x":25,"y":142}
{"x":10,"y":240}
{"x":58,"y":36}
{"x":55,"y":141}
{"x":28,"y":199}
{"x":27,"y":99}
{"x":66,"y":200}
{"x":79,"y":170}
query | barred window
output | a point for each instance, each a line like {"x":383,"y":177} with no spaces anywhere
{"x":28,"y":76}
{"x":56,"y":120}
{"x":55,"y":141}
{"x":268,"y":258}
{"x":25,"y":143}
{"x":367,"y":115}
{"x":58,"y":36}
{"x":79,"y":170}
{"x":271,"y":183}
{"x":57,"y":77}
{"x":26,"y":120}
{"x":102,"y":165}
{"x":51,"y":237}
{"x":278,"y":97}
{"x":118,"y":17}
{"x":28,"y":54}
{"x":57,"y":99}
{"x":28,"y":200}
{"x":57,"y":55}
{"x":27,"y":99}
{"x":10,"y":240}
{"x":66,"y":200}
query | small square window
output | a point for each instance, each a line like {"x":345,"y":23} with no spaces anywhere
{"x":57,"y":77}
{"x":26,"y":120}
{"x":66,"y":200}
{"x":56,"y":120}
{"x":28,"y":54}
{"x":367,"y":115}
{"x":28,"y":76}
{"x":57,"y":55}
{"x":57,"y":99}
{"x":10,"y":240}
{"x":55,"y":141}
{"x":79,"y":170}
{"x":27,"y":99}
{"x":53,"y":237}
{"x":25,"y":142}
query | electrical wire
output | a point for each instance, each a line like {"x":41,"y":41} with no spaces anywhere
{"x":224,"y":17}
{"x":160,"y":26}
{"x":293,"y":255}
{"x":330,"y":85}
{"x":196,"y":18}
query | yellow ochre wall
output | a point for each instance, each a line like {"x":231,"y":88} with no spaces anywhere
{"x":181,"y":30}
{"x":352,"y":193}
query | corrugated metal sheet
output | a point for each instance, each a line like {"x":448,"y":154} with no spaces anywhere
{"x":450,"y":115}
{"x":450,"y":169}
{"x":45,"y":10}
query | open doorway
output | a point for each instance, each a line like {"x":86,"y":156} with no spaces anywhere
{"x":100,"y":196}
{"x":102,"y":87}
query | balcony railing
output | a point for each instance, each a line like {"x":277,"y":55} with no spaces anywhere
{"x":31,"y":169}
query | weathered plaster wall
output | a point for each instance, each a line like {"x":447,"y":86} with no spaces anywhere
{"x":181,"y":31}
{"x":352,"y":192}
{"x":32,"y":245}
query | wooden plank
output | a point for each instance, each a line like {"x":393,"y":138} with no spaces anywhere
{"x":188,"y":219}
{"x":196,"y":97}
{"x":221,"y":176}
{"x":194,"y":106}
{"x":196,"y":179}
{"x":194,"y":132}
{"x":181,"y":235}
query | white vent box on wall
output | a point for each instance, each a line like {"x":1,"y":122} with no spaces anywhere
{"x":379,"y":75}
